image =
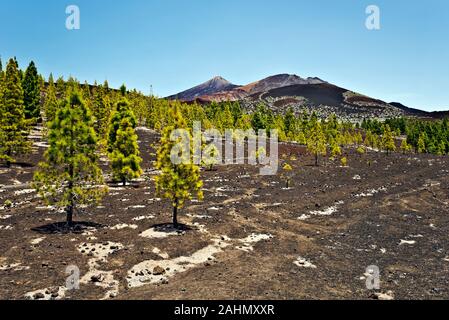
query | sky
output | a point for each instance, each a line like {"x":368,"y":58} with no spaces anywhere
{"x":173,"y":45}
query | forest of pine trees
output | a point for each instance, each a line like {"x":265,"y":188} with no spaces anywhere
{"x":83,"y":122}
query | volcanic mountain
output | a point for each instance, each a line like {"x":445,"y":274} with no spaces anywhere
{"x":219,"y":89}
{"x":214,"y":85}
{"x":283,"y":91}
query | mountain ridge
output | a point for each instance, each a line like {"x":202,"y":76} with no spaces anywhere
{"x":284,"y":90}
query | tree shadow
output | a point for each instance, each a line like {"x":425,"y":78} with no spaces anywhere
{"x":170,"y":228}
{"x":16,"y":165}
{"x":23,"y":165}
{"x":63,"y":228}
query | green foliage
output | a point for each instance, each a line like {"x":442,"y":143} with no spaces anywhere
{"x":335,"y":149}
{"x":122,"y":111}
{"x":102,"y":109}
{"x":31,"y":92}
{"x":316,"y":142}
{"x":70,"y":175}
{"x":344,"y":162}
{"x":177,"y":182}
{"x":210,"y":154}
{"x":388,"y":143}
{"x":405,"y":147}
{"x":422,"y":143}
{"x":125,"y":155}
{"x":60,"y":88}
{"x":51,"y":102}
{"x":8,"y":203}
{"x":14,"y":128}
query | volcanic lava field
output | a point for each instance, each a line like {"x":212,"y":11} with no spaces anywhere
{"x":250,"y":238}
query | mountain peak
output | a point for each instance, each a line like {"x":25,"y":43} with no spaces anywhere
{"x":214,"y":85}
{"x":218,"y":78}
{"x":222,"y":88}
{"x":218,"y":81}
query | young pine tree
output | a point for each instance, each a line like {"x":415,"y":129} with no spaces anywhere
{"x":177,"y":182}
{"x":70,"y":174}
{"x":122,"y":111}
{"x":287,"y":171}
{"x":31,"y":93}
{"x":210,"y":154}
{"x":316,"y":142}
{"x":125,"y":159}
{"x":421,"y":147}
{"x":335,"y":148}
{"x":405,"y":147}
{"x":388,"y":140}
{"x":51,"y":102}
{"x":14,"y":128}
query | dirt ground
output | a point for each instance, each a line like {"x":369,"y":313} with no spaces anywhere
{"x":251,"y":238}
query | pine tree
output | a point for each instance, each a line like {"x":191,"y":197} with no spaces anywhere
{"x":70,"y":176}
{"x":301,"y":139}
{"x":316,"y":142}
{"x":441,"y":149}
{"x":287,"y":169}
{"x":335,"y":149}
{"x":125,"y":159}
{"x":210,"y":154}
{"x":60,"y":88}
{"x":102,"y":109}
{"x":422,"y":143}
{"x":14,"y":128}
{"x":227,"y":119}
{"x":388,"y":140}
{"x":31,"y":93}
{"x":368,"y":138}
{"x":122,"y":111}
{"x":289,"y":122}
{"x":405,"y":147}
{"x":51,"y":102}
{"x":177,"y":182}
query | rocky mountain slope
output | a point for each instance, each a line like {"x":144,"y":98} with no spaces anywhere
{"x":214,"y":85}
{"x":282,"y":91}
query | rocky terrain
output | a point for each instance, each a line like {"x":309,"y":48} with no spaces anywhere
{"x":251,"y":238}
{"x":280,"y":92}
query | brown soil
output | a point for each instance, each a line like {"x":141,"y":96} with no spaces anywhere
{"x":392,"y":213}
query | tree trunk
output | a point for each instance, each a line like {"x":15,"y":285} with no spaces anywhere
{"x":175,"y":214}
{"x":124,"y":181}
{"x":316,"y":159}
{"x":8,"y":162}
{"x":69,"y":222}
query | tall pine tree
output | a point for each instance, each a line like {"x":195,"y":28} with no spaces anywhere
{"x":316,"y":142}
{"x":14,"y":128}
{"x":177,"y":182}
{"x":31,"y":92}
{"x":122,"y":111}
{"x":125,"y":159}
{"x":388,"y":143}
{"x":70,"y":176}
{"x":51,"y":102}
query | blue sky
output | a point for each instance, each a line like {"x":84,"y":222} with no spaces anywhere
{"x":175,"y":44}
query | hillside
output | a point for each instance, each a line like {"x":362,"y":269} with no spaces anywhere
{"x":282,"y":91}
